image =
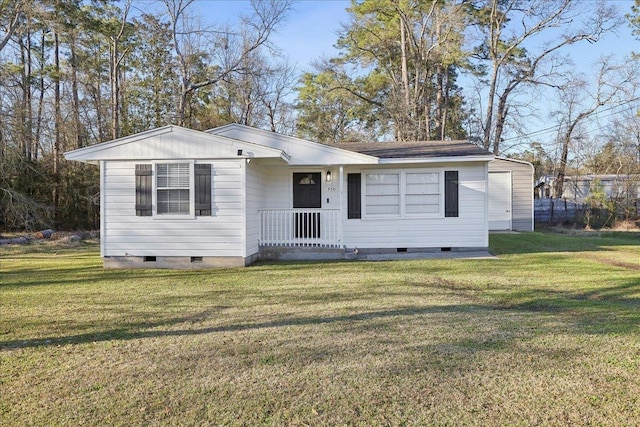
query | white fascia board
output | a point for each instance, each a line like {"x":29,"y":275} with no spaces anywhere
{"x":87,"y":153}
{"x":100,"y":151}
{"x":507,"y":159}
{"x":449,"y":159}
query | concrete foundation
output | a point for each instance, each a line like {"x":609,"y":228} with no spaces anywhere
{"x":276,"y":253}
{"x":178,"y":263}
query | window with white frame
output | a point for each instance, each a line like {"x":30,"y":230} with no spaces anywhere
{"x":382,"y":194}
{"x":174,"y":185}
{"x":172,"y":188}
{"x":422,"y":193}
{"x":411,"y":193}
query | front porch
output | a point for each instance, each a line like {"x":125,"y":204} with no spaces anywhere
{"x":310,"y":228}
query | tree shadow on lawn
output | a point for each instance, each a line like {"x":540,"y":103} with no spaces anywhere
{"x":19,"y":277}
{"x":614,"y":310}
{"x":537,"y":242}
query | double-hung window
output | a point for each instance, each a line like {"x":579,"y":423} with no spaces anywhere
{"x":173,"y":188}
{"x":382,"y":194}
{"x":181,"y":189}
{"x":422,"y":193}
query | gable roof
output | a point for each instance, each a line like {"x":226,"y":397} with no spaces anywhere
{"x":169,"y":143}
{"x":301,"y":151}
{"x":235,"y":141}
{"x":396,"y":152}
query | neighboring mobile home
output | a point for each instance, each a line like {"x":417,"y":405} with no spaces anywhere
{"x":174,"y":197}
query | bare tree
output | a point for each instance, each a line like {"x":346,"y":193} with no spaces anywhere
{"x":615,"y":84}
{"x":509,"y":27}
{"x":11,"y":13}
{"x":225,"y":48}
{"x":116,"y":55}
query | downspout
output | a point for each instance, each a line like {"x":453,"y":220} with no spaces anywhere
{"x":103,"y":216}
{"x":341,"y":215}
{"x":486,"y":204}
{"x":243,"y":186}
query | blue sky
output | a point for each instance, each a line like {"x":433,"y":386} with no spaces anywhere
{"x":311,"y":31}
{"x":311,"y":28}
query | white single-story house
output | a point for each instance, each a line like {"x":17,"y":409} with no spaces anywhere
{"x":511,"y":206}
{"x":174,"y":197}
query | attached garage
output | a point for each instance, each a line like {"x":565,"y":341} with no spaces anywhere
{"x":510,"y":195}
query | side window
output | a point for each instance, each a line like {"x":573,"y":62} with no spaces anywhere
{"x":173,"y":189}
{"x":451,"y":194}
{"x":172,"y":185}
{"x":354,"y":196}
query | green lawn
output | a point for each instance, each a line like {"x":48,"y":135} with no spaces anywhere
{"x":547,"y":334}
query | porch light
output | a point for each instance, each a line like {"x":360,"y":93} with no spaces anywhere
{"x":328,"y":176}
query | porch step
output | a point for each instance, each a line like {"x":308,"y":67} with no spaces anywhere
{"x":300,"y":253}
{"x":276,"y":253}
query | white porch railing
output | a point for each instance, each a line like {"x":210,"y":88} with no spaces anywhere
{"x":300,"y":227}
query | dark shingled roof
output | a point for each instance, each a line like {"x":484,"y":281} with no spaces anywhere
{"x":402,"y":150}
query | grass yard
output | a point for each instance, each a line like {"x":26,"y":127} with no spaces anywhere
{"x":548,"y":334}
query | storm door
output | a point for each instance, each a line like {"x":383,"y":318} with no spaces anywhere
{"x":307,"y":196}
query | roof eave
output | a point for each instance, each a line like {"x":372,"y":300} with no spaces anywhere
{"x":446,"y":159}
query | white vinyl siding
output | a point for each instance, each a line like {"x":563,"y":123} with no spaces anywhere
{"x":172,"y":186}
{"x":220,"y":234}
{"x":257,"y":190}
{"x":467,"y":230}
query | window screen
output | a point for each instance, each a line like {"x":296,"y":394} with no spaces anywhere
{"x":422,"y":193}
{"x":383,"y":193}
{"x":172,"y":184}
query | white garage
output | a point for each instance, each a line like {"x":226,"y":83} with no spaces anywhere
{"x":510,"y":195}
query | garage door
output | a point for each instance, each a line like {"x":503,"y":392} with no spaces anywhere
{"x":500,"y":200}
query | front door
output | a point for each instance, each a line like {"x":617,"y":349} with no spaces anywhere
{"x":307,"y":194}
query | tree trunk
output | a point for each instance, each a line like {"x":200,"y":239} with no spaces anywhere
{"x":488,"y":121}
{"x":439,"y":127}
{"x":38,"y":127}
{"x":445,"y":103}
{"x":562,"y":167}
{"x":57,"y":144}
{"x":75,"y":97}
{"x":405,"y":72}
{"x":115,"y":89}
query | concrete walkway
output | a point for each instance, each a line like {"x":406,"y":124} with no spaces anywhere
{"x":425,"y":255}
